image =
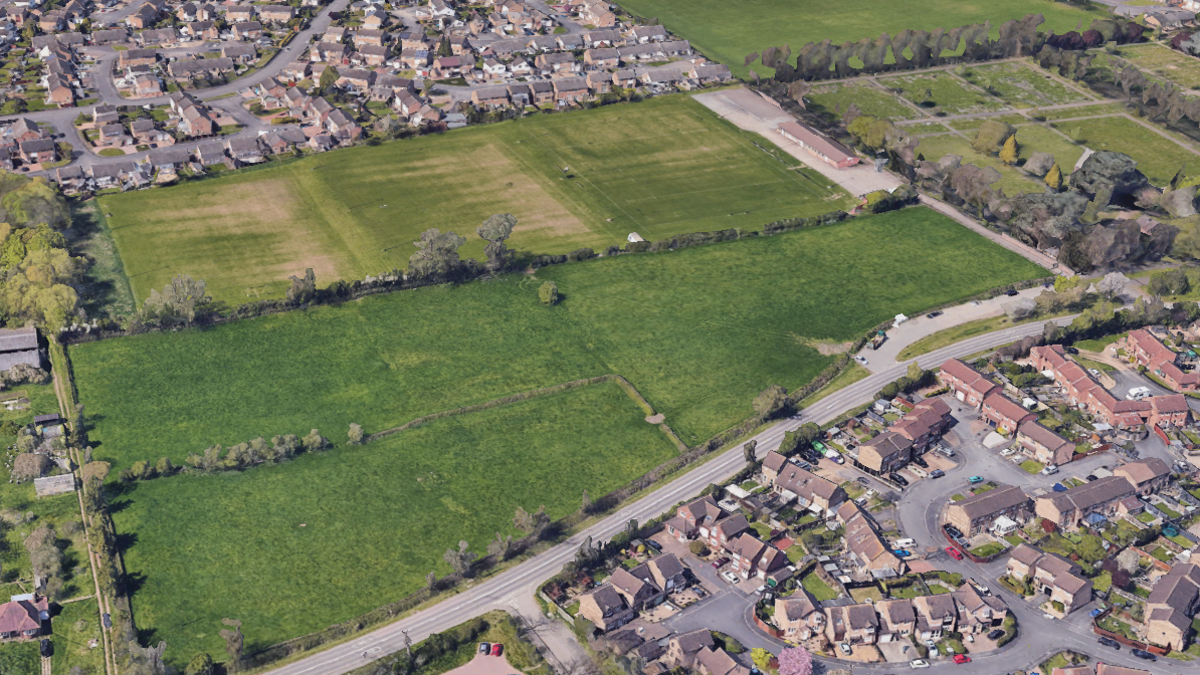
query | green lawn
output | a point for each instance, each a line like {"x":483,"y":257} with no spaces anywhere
{"x":661,"y":167}
{"x":1157,"y":157}
{"x":935,"y":147}
{"x":1035,"y":138}
{"x":950,"y":94}
{"x":1022,"y":85}
{"x":1032,"y":466}
{"x":1168,"y":64}
{"x":1103,"y":582}
{"x":817,"y":587}
{"x":20,"y":658}
{"x":1083,"y":111}
{"x":290,"y":549}
{"x":853,"y":373}
{"x":77,"y":624}
{"x":698,"y":357}
{"x":948,"y":336}
{"x":991,"y":548}
{"x":833,"y":100}
{"x":1099,"y":344}
{"x":728,"y":32}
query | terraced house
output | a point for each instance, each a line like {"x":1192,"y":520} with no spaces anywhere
{"x":969,"y":385}
{"x":1094,"y":502}
{"x":1050,"y":575}
{"x":978,"y":513}
{"x":1172,"y":603}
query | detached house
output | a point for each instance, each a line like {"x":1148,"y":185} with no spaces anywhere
{"x":853,"y":624}
{"x":754,"y":558}
{"x":605,"y":608}
{"x":23,"y":617}
{"x":799,"y":616}
{"x":695,"y":519}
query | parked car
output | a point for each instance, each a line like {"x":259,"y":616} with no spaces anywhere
{"x":953,"y":531}
{"x":1058,"y":487}
{"x":905,"y":543}
{"x":973,"y":480}
{"x":937,"y":473}
{"x":954,"y":553}
{"x":861,"y":359}
{"x":485,"y":648}
{"x":963,"y":658}
{"x":863,"y":480}
{"x":654,"y":545}
{"x":919,"y":663}
{"x":920,"y":461}
{"x":45,"y":648}
{"x":996,"y":634}
{"x":1095,"y":613}
{"x":1143,"y":654}
{"x":845,"y":648}
{"x":1010,"y":292}
{"x":729,"y":576}
{"x":897,"y":478}
{"x":497,"y":649}
{"x":1109,"y":642}
{"x":719,"y":563}
{"x":1072,"y":350}
{"x":1007,"y":452}
{"x":903,"y":553}
{"x":1050,"y":470}
{"x":934,"y":314}
{"x":1091,"y":478}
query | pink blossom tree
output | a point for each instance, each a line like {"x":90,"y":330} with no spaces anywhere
{"x":795,"y":661}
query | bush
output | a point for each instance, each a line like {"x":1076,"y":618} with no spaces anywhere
{"x":698,"y":548}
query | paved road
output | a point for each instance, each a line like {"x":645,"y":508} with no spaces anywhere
{"x":507,"y":590}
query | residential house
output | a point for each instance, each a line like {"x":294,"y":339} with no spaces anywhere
{"x":239,"y":14}
{"x":725,"y":532}
{"x":520,"y":95}
{"x":111,"y":36}
{"x":809,"y":490}
{"x":70,"y":179}
{"x":570,"y":42}
{"x":978,"y":613}
{"x":59,"y":91}
{"x":799,"y":616}
{"x":245,"y":150}
{"x":852,"y":624}
{"x":1003,"y":413}
{"x":239,"y":53}
{"x":193,"y":68}
{"x":170,"y":159}
{"x":276,"y":13}
{"x":924,"y":424}
{"x":202,"y":30}
{"x":158,"y":36}
{"x":644,"y":34}
{"x":376,"y":19}
{"x":602,"y":58}
{"x":602,"y":38}
{"x":626,"y":78}
{"x":936,"y":615}
{"x":897,"y":619}
{"x":1050,"y":575}
{"x":710,"y":73}
{"x":772,"y":464}
{"x":369,"y":37}
{"x":864,"y":544}
{"x":977,"y":513}
{"x":1147,"y":475}
{"x":447,"y":67}
{"x":38,"y":151}
{"x":144,"y":17}
{"x":1046,"y":446}
{"x":137,"y":57}
{"x":295,"y":71}
{"x":144,"y":132}
{"x":342,"y":126}
{"x":754,"y":558}
{"x":883,"y":454}
{"x":558,"y":62}
{"x":1171,"y":606}
{"x":23,"y":617}
{"x":599,"y":81}
{"x":969,"y":385}
{"x":718,"y":662}
{"x":543,"y":93}
{"x":247,"y":30}
{"x":416,"y":59}
{"x":210,"y":154}
{"x":636,"y":586}
{"x":606,"y":608}
{"x":1095,"y":501}
{"x":827,"y":149}
{"x":682,"y":649}
{"x":490,"y":98}
{"x":667,"y":572}
{"x":25,"y":129}
{"x":570,"y":90}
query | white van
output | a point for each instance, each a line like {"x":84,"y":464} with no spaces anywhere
{"x":905,"y":543}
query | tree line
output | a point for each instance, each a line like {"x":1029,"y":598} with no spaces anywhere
{"x":236,"y":457}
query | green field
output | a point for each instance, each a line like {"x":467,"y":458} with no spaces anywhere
{"x":661,"y":167}
{"x":293,"y":548}
{"x":1168,"y":64}
{"x":699,"y":332}
{"x":1033,"y":138}
{"x":948,"y":93}
{"x":936,"y":147}
{"x":1021,"y":85}
{"x":1157,"y":157}
{"x":728,"y":31}
{"x":832,"y":100}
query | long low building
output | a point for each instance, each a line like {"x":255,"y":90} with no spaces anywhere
{"x":977,"y":513}
{"x":818,"y":144}
{"x":1090,"y":501}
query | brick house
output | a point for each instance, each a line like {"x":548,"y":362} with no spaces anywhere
{"x":969,"y":385}
{"x":976,"y":513}
{"x":1050,"y":575}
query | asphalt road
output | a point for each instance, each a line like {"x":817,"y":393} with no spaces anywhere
{"x":505,"y":590}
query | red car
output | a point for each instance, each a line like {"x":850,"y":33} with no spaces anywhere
{"x":498,"y":649}
{"x":961,"y":659}
{"x":954,"y":553}
{"x":719,"y":563}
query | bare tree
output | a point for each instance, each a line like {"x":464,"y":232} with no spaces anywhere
{"x":234,"y":641}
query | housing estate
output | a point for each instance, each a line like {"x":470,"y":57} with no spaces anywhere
{"x":1059,"y":579}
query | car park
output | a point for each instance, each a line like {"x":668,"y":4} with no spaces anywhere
{"x":1109,"y":642}
{"x":919,"y":663}
{"x":996,"y":634}
{"x":897,"y":478}
{"x":954,"y":553}
{"x":1143,"y":654}
{"x":497,"y":649}
{"x":960,"y":659}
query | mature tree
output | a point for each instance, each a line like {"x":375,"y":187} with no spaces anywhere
{"x":285,"y":446}
{"x":795,"y":661}
{"x":1008,"y":154}
{"x":992,"y":136}
{"x":496,"y":229}
{"x":234,"y":641}
{"x":1090,"y":548}
{"x":146,"y":660}
{"x":500,"y":547}
{"x":698,"y":548}
{"x":761,"y":658}
{"x":28,"y":466}
{"x":748,"y":451}
{"x":462,"y":560}
{"x":770,"y":401}
{"x":328,"y":77}
{"x":548,"y":293}
{"x":314,"y":441}
{"x":523,"y":520}
{"x":355,"y":434}
{"x":201,"y":664}
{"x":1054,"y":177}
{"x":27,"y":202}
{"x":303,"y":290}
{"x":182,"y":300}
{"x":586,"y":503}
{"x":437,"y":257}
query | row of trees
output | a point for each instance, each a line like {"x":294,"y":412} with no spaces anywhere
{"x":235,"y":457}
{"x":917,"y":49}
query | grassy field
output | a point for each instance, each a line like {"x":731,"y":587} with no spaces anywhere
{"x":661,"y":167}
{"x":75,"y":626}
{"x":971,"y":124}
{"x":1033,"y":138}
{"x":728,"y":31}
{"x":293,"y":548}
{"x":1083,"y":111}
{"x":949,"y":93}
{"x":1168,"y":64}
{"x":833,"y":100}
{"x":1022,"y":86}
{"x":699,"y":332}
{"x":1157,"y":157}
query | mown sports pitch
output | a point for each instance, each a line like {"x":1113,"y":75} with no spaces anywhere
{"x":698,"y":331}
{"x":294,"y":548}
{"x":661,"y":167}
